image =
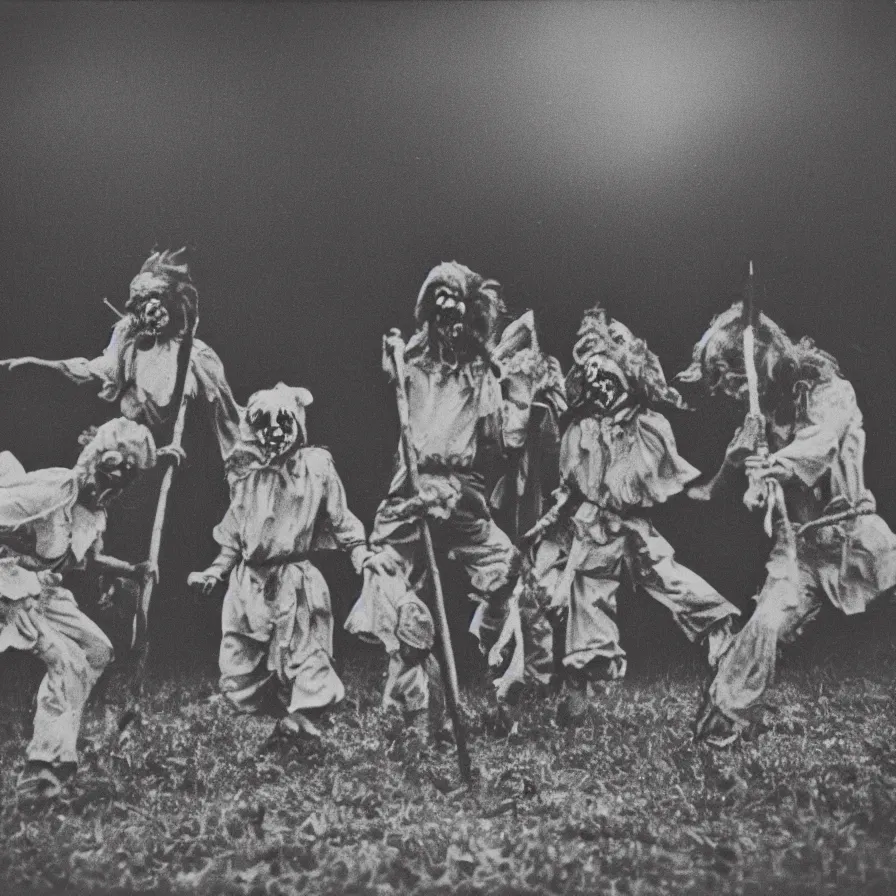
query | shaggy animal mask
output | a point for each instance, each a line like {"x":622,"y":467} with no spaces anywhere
{"x":460,"y":312}
{"x":718,"y":358}
{"x":112,"y":458}
{"x":163,"y":299}
{"x":611,"y":363}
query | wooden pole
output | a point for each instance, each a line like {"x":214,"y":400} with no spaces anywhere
{"x":449,"y":669}
{"x":140,"y":630}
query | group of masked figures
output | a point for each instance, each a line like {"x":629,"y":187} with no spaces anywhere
{"x":538,"y":486}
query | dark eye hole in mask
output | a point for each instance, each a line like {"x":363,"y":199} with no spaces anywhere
{"x":450,"y":318}
{"x":112,"y":475}
{"x":727,"y":375}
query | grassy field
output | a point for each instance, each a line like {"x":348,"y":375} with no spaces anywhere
{"x":200,"y":800}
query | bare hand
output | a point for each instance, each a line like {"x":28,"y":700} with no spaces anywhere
{"x":173,"y":453}
{"x":49,"y":579}
{"x":393,"y":343}
{"x":147,"y":572}
{"x":203,"y":582}
{"x":759,"y":467}
{"x":699,"y":492}
{"x":381,"y":563}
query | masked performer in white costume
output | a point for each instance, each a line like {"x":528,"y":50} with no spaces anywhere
{"x":277,"y":625}
{"x":618,"y":458}
{"x":829,"y":541}
{"x":52,"y":521}
{"x":461,"y":424}
{"x":139,"y":368}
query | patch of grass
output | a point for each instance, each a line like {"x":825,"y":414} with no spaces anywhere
{"x":199,"y":800}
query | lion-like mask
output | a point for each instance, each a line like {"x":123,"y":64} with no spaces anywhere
{"x":718,"y":358}
{"x":112,"y":458}
{"x":460,"y":310}
{"x":163,"y":301}
{"x":613,"y":368}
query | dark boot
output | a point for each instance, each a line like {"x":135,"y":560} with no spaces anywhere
{"x":297,"y":725}
{"x":43,"y":781}
{"x":574,"y":708}
{"x":714,"y":727}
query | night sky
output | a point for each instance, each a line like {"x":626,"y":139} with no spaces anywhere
{"x":322,"y":157}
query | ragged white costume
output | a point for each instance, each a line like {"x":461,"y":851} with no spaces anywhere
{"x":47,"y":528}
{"x":277,"y":623}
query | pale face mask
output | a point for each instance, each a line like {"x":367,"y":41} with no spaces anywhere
{"x":604,"y":388}
{"x":277,"y":434}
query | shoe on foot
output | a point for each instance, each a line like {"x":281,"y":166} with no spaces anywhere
{"x":42,"y":781}
{"x":299,"y":726}
{"x":573,"y":708}
{"x":714,"y":727}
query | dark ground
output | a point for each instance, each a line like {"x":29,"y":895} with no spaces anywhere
{"x":197,"y":800}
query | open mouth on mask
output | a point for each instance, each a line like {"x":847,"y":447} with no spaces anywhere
{"x":603,"y":388}
{"x":605,"y":391}
{"x":153,"y":316}
{"x":449,"y":316}
{"x":276,"y":433}
{"x":111,"y":477}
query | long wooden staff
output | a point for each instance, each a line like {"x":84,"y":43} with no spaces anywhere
{"x":449,"y":669}
{"x":761,"y":492}
{"x":140,"y":631}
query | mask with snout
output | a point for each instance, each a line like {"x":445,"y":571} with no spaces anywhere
{"x":718,"y":359}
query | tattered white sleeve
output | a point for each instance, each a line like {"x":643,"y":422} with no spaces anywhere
{"x":17,"y":582}
{"x":831,"y":407}
{"x":105,"y":368}
{"x":343,"y":525}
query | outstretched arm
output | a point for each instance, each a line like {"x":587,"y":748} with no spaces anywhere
{"x":82,"y":371}
{"x":76,"y":369}
{"x":348,"y":530}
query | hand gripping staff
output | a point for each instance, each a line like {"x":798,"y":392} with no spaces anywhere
{"x":140,"y":631}
{"x":395,"y":348}
{"x":762,"y":491}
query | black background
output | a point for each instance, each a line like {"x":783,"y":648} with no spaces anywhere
{"x":322,"y":157}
